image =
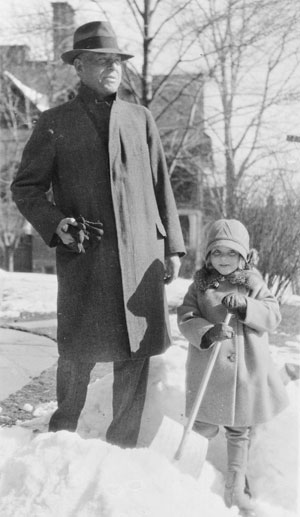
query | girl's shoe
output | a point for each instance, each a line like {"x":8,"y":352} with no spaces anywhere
{"x":247,"y":487}
{"x":235,"y":494}
{"x":247,"y":513}
{"x":293,"y":371}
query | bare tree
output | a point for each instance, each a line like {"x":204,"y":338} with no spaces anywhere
{"x":249,"y":49}
{"x":249,"y":59}
{"x":12,"y":140}
{"x":11,"y":221}
{"x":248,"y":52}
{"x":275,"y":230}
{"x":23,"y":83}
{"x":242,"y":55}
{"x":174,"y":97}
{"x":11,"y":119}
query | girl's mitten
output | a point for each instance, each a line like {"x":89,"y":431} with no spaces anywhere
{"x":236,"y":303}
{"x":219,"y":332}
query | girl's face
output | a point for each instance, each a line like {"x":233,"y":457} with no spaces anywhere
{"x":224,"y":260}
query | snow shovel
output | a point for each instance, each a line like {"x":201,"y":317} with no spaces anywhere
{"x":191,"y":452}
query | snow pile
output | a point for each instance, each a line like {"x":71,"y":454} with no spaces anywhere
{"x":27,"y":292}
{"x":79,"y":475}
{"x":36,"y":292}
{"x":274,"y":464}
{"x":63,"y":475}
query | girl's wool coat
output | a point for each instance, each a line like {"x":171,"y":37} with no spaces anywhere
{"x":111,"y":299}
{"x":245,"y":388}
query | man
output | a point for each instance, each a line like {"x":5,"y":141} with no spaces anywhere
{"x":116,"y":228}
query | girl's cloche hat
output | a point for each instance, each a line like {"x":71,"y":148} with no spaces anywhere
{"x":230,"y":233}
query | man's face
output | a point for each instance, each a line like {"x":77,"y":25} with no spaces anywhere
{"x":100,"y":72}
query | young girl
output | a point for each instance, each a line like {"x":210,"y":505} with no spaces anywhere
{"x":244,"y":389}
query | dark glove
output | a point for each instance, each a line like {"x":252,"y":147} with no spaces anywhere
{"x":219,"y":332}
{"x":86,"y":233}
{"x":236,"y":304}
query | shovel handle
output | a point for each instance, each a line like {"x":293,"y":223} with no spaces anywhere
{"x":201,"y":392}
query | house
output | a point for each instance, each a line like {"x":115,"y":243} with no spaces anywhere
{"x":30,"y":87}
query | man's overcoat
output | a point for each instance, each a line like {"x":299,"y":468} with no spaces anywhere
{"x":245,"y":387}
{"x":111,"y":300}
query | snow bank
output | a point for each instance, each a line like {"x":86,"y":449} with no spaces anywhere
{"x":79,"y":475}
{"x":27,"y":292}
{"x":274,"y":471}
{"x":37,"y":292}
{"x":64,"y":475}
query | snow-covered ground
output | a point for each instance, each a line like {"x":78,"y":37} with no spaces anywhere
{"x":79,"y":475}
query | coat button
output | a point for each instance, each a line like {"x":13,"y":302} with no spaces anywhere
{"x":231,"y":357}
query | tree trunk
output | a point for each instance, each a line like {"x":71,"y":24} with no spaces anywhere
{"x":9,"y":254}
{"x":230,"y":187}
{"x":146,"y":75}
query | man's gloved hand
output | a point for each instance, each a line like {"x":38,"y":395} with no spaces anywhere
{"x":218,"y":332}
{"x":92,"y":230}
{"x":79,"y":237}
{"x":86,"y":233}
{"x":236,"y":303}
{"x":81,"y":233}
{"x":63,"y":230}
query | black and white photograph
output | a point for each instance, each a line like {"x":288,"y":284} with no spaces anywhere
{"x":149,"y":258}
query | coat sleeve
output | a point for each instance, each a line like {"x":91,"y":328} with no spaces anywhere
{"x":164,"y":195}
{"x":33,"y":181}
{"x":190,"y":322}
{"x":263,"y":313}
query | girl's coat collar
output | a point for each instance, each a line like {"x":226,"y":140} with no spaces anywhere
{"x":210,"y":279}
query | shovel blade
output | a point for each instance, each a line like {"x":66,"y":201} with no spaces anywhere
{"x":167,"y":440}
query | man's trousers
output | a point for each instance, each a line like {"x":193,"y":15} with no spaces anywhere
{"x":129,"y":393}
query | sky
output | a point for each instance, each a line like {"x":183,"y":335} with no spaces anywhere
{"x":79,"y":475}
{"x":18,"y":15}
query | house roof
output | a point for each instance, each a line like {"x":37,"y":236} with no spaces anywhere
{"x":40,"y":100}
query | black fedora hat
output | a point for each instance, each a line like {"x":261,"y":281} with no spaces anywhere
{"x":97,"y":37}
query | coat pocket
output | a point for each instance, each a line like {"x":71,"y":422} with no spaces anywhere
{"x":160,"y":229}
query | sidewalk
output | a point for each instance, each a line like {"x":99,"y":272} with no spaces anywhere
{"x":37,"y":324}
{"x":24,"y":355}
